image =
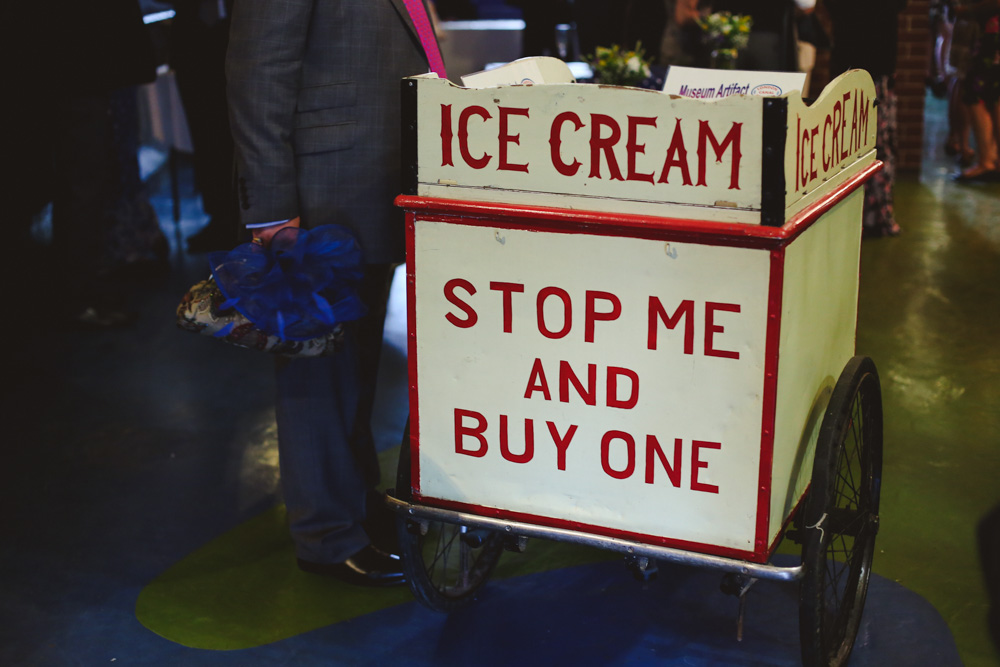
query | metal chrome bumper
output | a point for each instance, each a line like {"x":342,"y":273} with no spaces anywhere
{"x":635,"y":549}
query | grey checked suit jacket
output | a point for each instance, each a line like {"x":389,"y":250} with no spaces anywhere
{"x":314,"y":94}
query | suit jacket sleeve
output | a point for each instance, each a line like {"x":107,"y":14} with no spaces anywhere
{"x":263,"y":67}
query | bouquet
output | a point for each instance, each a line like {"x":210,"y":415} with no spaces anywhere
{"x":291,"y":298}
{"x":725,"y":34}
{"x":615,"y":66}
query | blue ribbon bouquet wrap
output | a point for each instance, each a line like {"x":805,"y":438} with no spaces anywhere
{"x":300,"y":287}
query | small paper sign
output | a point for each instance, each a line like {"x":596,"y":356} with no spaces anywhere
{"x":716,"y":84}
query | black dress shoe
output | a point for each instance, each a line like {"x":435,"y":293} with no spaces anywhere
{"x":368,"y":567}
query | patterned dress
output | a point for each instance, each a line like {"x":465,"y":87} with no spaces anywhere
{"x":865,"y":36}
{"x":879,"y":216}
{"x":982,"y":82}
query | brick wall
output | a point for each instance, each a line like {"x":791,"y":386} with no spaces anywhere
{"x":913,"y":59}
{"x":911,"y":73}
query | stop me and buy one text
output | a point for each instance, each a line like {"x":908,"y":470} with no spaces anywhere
{"x":687,"y":327}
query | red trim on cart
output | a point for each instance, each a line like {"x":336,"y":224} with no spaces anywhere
{"x":411,"y":347}
{"x":772,"y":344}
{"x":518,"y":216}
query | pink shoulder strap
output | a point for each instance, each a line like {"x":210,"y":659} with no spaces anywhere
{"x":418,"y":13}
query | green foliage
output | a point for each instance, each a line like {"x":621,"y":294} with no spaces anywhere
{"x":614,"y":65}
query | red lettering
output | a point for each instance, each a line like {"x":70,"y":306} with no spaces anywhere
{"x":844,"y":149}
{"x":673,"y":471}
{"x":711,"y":328}
{"x":446,"y":136}
{"x":835,"y":150}
{"x":463,"y":136}
{"x":475,"y":431}
{"x":529,"y":442}
{"x":862,"y":122}
{"x":563,"y":296}
{"x":677,"y":156}
{"x":705,"y":135}
{"x":506,"y":138}
{"x":805,"y":172}
{"x":599,"y":144}
{"x":606,"y":458}
{"x":854,"y":125}
{"x":697,"y":464}
{"x":507,"y":289}
{"x":812,"y":153}
{"x":613,"y":401}
{"x":632,"y":147}
{"x":592,"y":315}
{"x":657,"y":313}
{"x":827,"y":123}
{"x":449,"y":293}
{"x":561,"y":443}
{"x":567,"y":377}
{"x":537,"y":381}
{"x":555,"y":143}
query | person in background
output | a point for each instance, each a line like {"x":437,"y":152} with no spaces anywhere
{"x":865,"y":36}
{"x":942,"y":31}
{"x":772,"y":44}
{"x":980,"y":90}
{"x":691,"y":49}
{"x":314,"y":99}
{"x":199,"y":36}
{"x":102,"y":220}
{"x":954,"y":39}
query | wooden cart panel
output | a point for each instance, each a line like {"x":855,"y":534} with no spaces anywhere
{"x":634,"y":366}
{"x":631,"y":350}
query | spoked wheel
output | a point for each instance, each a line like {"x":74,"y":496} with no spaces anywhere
{"x":840,"y":520}
{"x":445,"y":563}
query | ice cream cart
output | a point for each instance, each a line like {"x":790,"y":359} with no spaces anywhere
{"x":631,"y":324}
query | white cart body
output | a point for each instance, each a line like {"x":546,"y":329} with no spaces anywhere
{"x":627,"y":310}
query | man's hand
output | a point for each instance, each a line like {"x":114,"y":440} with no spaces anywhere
{"x":263,"y":235}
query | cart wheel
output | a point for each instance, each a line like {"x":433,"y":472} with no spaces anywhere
{"x":445,"y":563}
{"x":841,"y":517}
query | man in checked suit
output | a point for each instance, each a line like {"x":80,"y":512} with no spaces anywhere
{"x":314,"y":89}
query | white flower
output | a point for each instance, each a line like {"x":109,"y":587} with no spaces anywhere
{"x":634,"y":64}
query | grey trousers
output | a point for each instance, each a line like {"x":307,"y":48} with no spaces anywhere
{"x":325,"y":449}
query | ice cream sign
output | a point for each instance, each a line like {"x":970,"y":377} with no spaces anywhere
{"x":592,"y":143}
{"x":829,"y":135}
{"x":622,"y":149}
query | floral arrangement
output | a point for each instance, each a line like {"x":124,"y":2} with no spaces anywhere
{"x":613,"y":65}
{"x":725,"y":34}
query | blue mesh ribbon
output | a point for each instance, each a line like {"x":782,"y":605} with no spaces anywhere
{"x":299,"y":287}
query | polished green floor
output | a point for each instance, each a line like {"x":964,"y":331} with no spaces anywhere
{"x":930,"y":317}
{"x":140,"y":469}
